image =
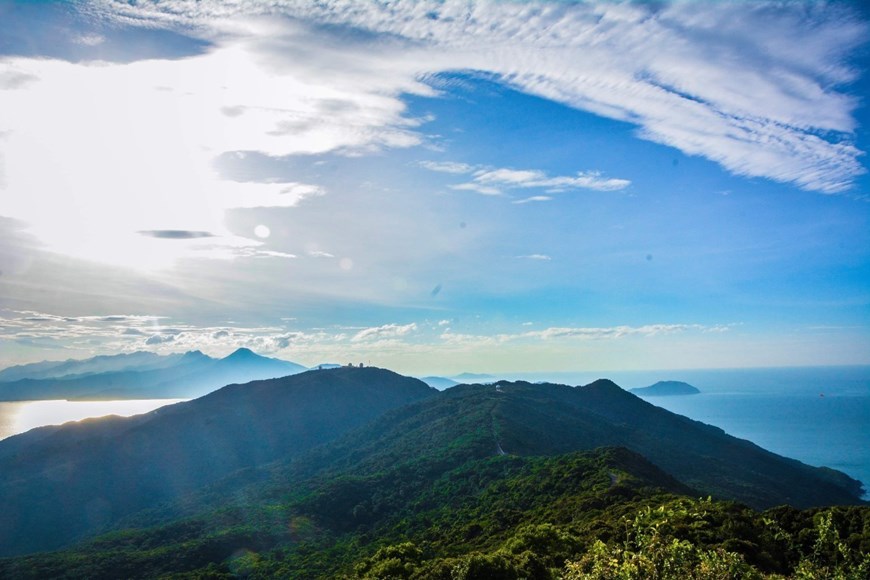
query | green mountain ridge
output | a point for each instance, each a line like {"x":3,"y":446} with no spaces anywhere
{"x":511,"y":476}
{"x":85,"y":476}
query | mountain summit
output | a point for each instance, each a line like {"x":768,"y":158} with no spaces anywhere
{"x":242,"y":354}
{"x":118,"y":466}
{"x":364,"y":451}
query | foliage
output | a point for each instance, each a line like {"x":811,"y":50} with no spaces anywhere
{"x":423,"y":494}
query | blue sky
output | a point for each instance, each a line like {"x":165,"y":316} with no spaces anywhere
{"x":437,"y":186}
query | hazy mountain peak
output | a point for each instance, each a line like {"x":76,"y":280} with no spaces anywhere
{"x":603,"y":385}
{"x":242,"y":354}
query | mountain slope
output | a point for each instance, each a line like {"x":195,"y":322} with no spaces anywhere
{"x":88,"y":476}
{"x":475,"y":505}
{"x":81,"y":477}
{"x":701,"y":456}
{"x":475,"y":422}
{"x":544,"y":419}
{"x":431,"y":472}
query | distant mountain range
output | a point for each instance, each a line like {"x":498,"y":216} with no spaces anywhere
{"x":442,"y":383}
{"x":139,"y":375}
{"x":439,"y":383}
{"x":355,"y":449}
{"x":666,"y":389}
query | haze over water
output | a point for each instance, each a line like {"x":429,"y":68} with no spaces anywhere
{"x":818,"y":415}
{"x":20,"y":416}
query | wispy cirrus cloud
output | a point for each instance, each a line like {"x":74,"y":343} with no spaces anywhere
{"x":751,"y":86}
{"x":176,"y":234}
{"x":581,"y":333}
{"x":765,"y":98}
{"x":532,"y":199}
{"x":512,"y":178}
{"x":384,"y":331}
{"x":447,"y":167}
{"x":493,"y":181}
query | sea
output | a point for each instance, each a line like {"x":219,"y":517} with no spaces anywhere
{"x":20,"y":416}
{"x":818,"y":415}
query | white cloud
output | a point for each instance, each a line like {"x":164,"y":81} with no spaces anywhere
{"x":534,"y":178}
{"x":90,"y":40}
{"x":128,"y":333}
{"x":533,"y":199}
{"x":273,"y":254}
{"x":613,"y":332}
{"x":755,"y":87}
{"x":578,"y":333}
{"x":386,"y":331}
{"x":490,"y":181}
{"x":539,"y":257}
{"x":479,"y":188}
{"x":130,"y":147}
{"x":751,"y":86}
{"x":447,"y":166}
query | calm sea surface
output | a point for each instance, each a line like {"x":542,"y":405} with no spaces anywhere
{"x":22,"y":416}
{"x":818,"y":415}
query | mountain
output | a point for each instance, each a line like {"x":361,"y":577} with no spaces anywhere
{"x":175,"y":376}
{"x":500,"y":481}
{"x":62,"y":483}
{"x":665,"y":389}
{"x":525,"y":419}
{"x":135,"y":361}
{"x":324,"y":366}
{"x":439,"y":383}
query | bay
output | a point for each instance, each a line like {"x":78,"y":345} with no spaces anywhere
{"x":20,"y":416}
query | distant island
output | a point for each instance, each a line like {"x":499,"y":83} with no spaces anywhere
{"x":439,"y":383}
{"x":666,"y":389}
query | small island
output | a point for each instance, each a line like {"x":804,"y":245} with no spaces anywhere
{"x":666,"y":389}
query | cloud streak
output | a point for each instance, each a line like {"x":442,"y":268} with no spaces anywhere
{"x":384,"y":332}
{"x":751,"y":86}
{"x":762,"y":98}
{"x":493,"y":181}
{"x":581,"y":333}
{"x":175,"y":234}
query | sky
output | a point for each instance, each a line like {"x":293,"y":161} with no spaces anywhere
{"x":437,"y":186}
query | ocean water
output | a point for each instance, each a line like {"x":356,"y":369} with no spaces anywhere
{"x":818,"y":415}
{"x":20,"y":416}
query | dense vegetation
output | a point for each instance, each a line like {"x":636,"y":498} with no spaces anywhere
{"x":506,"y":481}
{"x":60,"y":484}
{"x":582,"y":515}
